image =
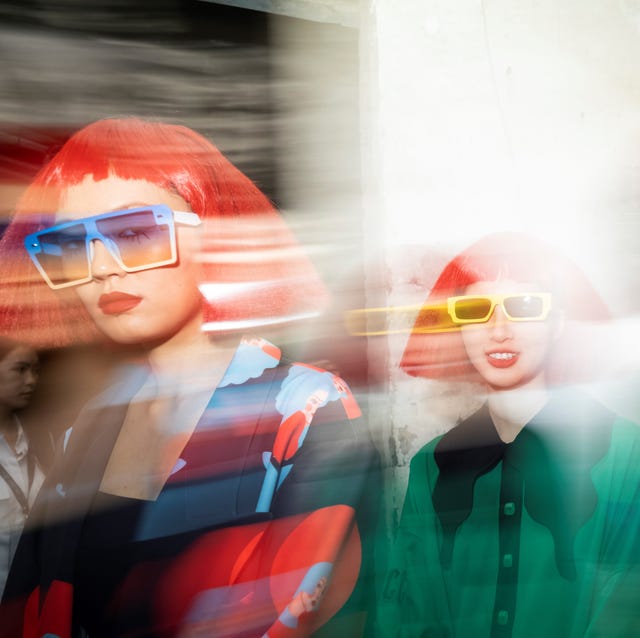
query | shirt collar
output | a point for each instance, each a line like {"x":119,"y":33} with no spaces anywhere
{"x":554,"y":453}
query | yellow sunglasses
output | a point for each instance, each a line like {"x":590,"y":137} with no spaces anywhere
{"x":525,"y":306}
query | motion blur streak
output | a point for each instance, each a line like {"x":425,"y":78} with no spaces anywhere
{"x":399,"y":320}
{"x":250,"y":324}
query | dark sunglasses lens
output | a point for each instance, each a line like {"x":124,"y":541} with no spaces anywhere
{"x":524,"y":306}
{"x":64,"y":254}
{"x":139,"y":240}
{"x":473,"y":309}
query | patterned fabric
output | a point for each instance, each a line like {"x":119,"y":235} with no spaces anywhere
{"x":259,"y":514}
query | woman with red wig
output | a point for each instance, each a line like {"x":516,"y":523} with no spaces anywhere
{"x":524,"y":519}
{"x":166,"y":514}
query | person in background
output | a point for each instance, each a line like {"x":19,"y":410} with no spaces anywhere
{"x":20,"y":474}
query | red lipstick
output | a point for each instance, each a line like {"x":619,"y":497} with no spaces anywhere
{"x":115,"y":303}
{"x":502,"y":358}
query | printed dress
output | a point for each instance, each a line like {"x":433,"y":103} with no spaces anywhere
{"x":255,"y":532}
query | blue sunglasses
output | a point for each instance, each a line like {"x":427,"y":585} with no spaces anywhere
{"x":137,"y":238}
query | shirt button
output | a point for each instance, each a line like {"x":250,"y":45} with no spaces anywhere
{"x":507,"y":560}
{"x":509,"y":508}
{"x":502,"y":617}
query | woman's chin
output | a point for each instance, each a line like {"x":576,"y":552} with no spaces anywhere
{"x":132,"y":335}
{"x":147,"y":336}
{"x":506,"y":382}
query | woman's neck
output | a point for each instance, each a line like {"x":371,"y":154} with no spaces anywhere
{"x":9,"y":427}
{"x":512,"y":409}
{"x":180,"y":360}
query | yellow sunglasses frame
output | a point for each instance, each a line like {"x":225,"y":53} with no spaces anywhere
{"x":499,"y":300}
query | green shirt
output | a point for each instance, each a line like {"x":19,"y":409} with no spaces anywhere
{"x":539,"y":537}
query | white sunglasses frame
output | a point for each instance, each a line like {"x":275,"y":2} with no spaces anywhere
{"x":163,"y":214}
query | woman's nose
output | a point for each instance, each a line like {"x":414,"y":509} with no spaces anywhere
{"x":103,"y":264}
{"x":31,"y":378}
{"x":500,"y":325}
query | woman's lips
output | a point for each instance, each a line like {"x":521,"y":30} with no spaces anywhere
{"x":502,"y":358}
{"x":115,"y":303}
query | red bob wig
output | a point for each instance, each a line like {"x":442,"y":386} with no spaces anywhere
{"x":255,"y":271}
{"x":435,"y":349}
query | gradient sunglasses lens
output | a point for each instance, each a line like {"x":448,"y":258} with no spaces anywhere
{"x":472,"y":309}
{"x":137,"y":239}
{"x":63,"y":256}
{"x":524,"y":306}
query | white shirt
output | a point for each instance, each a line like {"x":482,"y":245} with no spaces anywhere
{"x":12,"y":518}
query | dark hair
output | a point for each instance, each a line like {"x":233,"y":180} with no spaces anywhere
{"x":7,"y":346}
